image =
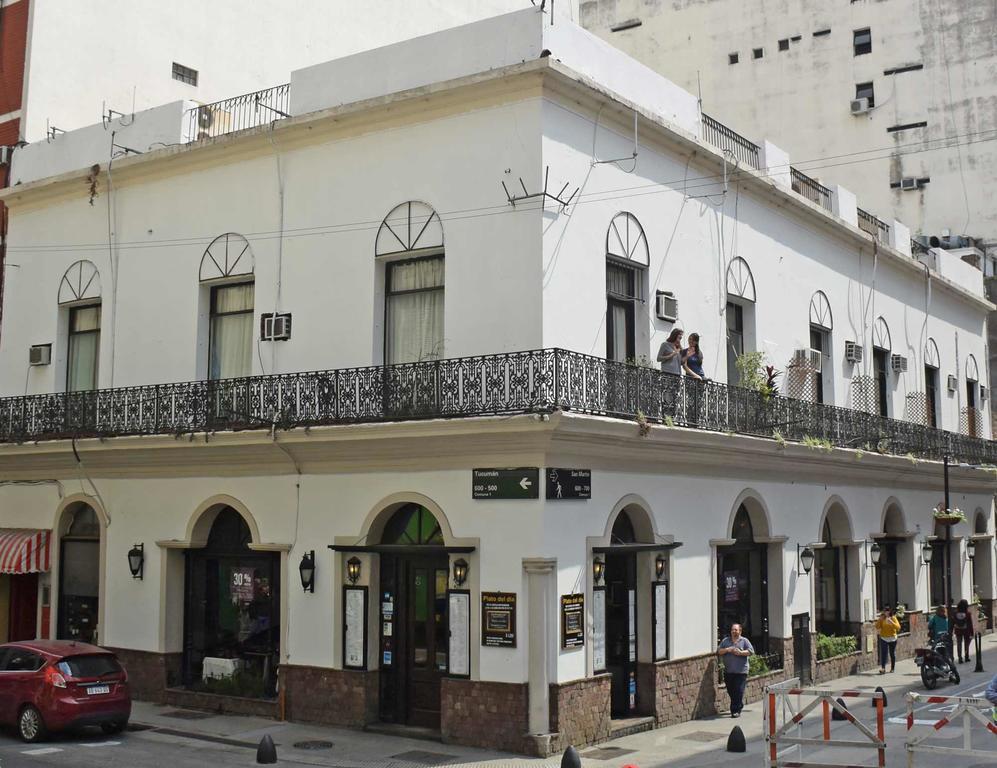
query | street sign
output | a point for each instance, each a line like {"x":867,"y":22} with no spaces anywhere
{"x":523,"y":483}
{"x":568,"y":484}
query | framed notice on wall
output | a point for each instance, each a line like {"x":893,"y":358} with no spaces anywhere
{"x":498,"y":619}
{"x":572,"y":621}
{"x":660,"y":613}
{"x":460,"y":633}
{"x":599,"y":629}
{"x":354,"y":627}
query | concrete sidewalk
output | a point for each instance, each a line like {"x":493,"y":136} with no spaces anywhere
{"x":697,"y":742}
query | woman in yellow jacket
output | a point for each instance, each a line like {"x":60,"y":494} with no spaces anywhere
{"x":887,"y":627}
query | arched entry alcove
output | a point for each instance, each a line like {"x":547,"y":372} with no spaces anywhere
{"x":232,"y":607}
{"x":837,"y":586}
{"x":983,"y":564}
{"x":630,"y":603}
{"x":894,"y":582}
{"x":945,"y":571}
{"x":79,"y":577}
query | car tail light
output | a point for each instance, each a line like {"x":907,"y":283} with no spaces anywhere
{"x":54,"y":678}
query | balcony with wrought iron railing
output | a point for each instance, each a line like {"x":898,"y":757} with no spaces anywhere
{"x":250,"y":110}
{"x":722,"y":137}
{"x":874,"y":226}
{"x":810,"y":188}
{"x":538,"y":381}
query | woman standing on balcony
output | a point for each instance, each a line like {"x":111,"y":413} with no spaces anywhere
{"x":887,"y":627}
{"x":692,"y":359}
{"x":670,"y":353}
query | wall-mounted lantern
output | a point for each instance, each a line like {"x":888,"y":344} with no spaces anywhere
{"x":660,"y":562}
{"x":598,"y":569}
{"x":875,"y":552}
{"x":353,"y":569}
{"x":460,"y":572}
{"x":136,"y":560}
{"x":804,"y":558}
{"x":306,"y":569}
{"x":927,"y":551}
{"x":971,"y":549}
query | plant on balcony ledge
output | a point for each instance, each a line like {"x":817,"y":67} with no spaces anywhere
{"x":949,"y":516}
{"x":754,"y":374}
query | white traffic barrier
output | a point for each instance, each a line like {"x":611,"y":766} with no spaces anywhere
{"x":967,"y":710}
{"x":789,"y":735}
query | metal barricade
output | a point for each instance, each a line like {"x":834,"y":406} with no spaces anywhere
{"x":966,"y":709}
{"x":788,"y":736}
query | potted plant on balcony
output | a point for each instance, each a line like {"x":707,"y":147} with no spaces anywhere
{"x":951,"y":516}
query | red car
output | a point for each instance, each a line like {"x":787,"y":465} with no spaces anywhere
{"x":51,"y":685}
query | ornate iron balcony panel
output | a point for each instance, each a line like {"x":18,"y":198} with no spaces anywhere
{"x":538,"y":381}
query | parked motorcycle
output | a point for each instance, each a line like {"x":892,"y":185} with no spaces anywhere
{"x":936,"y":664}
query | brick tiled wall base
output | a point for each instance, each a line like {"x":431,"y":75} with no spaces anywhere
{"x":484,"y":714}
{"x":149,"y":674}
{"x":329,"y":696}
{"x":680,"y":690}
{"x":228,"y":705}
{"x":580,"y":712}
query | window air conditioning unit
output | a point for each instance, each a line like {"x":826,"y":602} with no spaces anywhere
{"x":908,"y":183}
{"x":853,"y":352}
{"x":275,"y":327}
{"x":816,"y":356}
{"x":898,"y":363}
{"x":666,"y":306}
{"x":983,"y":395}
{"x":953,"y":383}
{"x":860,"y":106}
{"x":40,"y":354}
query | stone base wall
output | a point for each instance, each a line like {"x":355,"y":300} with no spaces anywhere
{"x":580,"y":712}
{"x":476,"y":713}
{"x":679,"y":690}
{"x":327,"y":696}
{"x":756,"y":685}
{"x":149,"y":674}
{"x":223,"y":705}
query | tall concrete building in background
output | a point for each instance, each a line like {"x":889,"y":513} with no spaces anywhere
{"x":894,"y":99}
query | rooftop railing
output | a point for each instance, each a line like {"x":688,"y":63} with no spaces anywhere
{"x":874,"y":226}
{"x":722,"y":137}
{"x":538,"y":381}
{"x":236,"y":114}
{"x":811,"y":189}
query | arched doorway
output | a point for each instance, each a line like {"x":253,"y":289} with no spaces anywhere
{"x":414,"y":574}
{"x":621,"y":618}
{"x":894,"y":573}
{"x":231,"y":638}
{"x":982,"y":564}
{"x":79,"y":576}
{"x":833,"y":577}
{"x":742,"y":588}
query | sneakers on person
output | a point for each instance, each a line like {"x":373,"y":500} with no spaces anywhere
{"x":735,"y":714}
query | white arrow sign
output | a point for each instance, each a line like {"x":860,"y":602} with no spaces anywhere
{"x":525,"y":484}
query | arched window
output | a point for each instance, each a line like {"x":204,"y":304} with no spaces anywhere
{"x":627,"y":259}
{"x":227,"y":267}
{"x":740,"y":281}
{"x":972,"y":371}
{"x":881,"y":335}
{"x":739,"y":313}
{"x":742,"y":531}
{"x":411,"y":237}
{"x":84,"y":524}
{"x":931,"y":353}
{"x":412,"y":524}
{"x":80,"y":283}
{"x":623,"y":530}
{"x":229,"y":533}
{"x":881,"y":346}
{"x":820,"y":312}
{"x":79,"y":291}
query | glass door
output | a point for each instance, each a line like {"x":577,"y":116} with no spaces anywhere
{"x":621,"y":633}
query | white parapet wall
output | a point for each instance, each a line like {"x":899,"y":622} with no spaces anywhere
{"x":951,"y":266}
{"x":84,"y":147}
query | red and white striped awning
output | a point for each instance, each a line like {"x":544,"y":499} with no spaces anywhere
{"x":24,"y":550}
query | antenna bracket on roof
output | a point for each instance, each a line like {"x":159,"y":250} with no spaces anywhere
{"x":544,"y":194}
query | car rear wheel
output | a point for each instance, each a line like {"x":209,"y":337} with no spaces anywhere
{"x":30,"y":726}
{"x":116,"y":726}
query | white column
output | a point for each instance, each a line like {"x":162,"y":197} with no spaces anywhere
{"x":539,"y":571}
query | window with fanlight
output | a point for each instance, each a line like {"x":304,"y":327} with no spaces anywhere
{"x":627,"y":260}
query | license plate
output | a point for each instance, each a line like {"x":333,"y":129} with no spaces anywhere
{"x":94,"y":690}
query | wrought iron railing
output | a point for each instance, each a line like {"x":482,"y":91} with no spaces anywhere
{"x":719,"y":135}
{"x":238,"y":113}
{"x":874,"y":226}
{"x":541,"y":381}
{"x":809,"y":188}
{"x":917,"y":248}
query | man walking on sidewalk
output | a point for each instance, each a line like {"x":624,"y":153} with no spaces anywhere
{"x":734,"y":652}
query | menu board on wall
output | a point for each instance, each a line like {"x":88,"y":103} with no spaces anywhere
{"x":498,"y":619}
{"x":460,"y":631}
{"x":660,"y":620}
{"x":599,"y":629}
{"x":355,"y":627}
{"x":572,"y":621}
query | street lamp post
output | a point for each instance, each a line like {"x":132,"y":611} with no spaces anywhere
{"x":947,"y":562}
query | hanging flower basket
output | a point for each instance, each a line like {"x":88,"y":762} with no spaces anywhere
{"x":949,"y":516}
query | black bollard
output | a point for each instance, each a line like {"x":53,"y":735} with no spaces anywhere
{"x":879,"y":689}
{"x":835,"y":714}
{"x":735,"y":742}
{"x":266,"y":753}
{"x":570,"y":759}
{"x":979,"y":654}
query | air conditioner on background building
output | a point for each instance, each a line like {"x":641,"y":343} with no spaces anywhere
{"x":907,"y":183}
{"x":953,"y":383}
{"x":983,"y":395}
{"x":860,"y":106}
{"x":899,"y":363}
{"x":40,"y":354}
{"x":853,"y":352}
{"x":666,"y":306}
{"x":213,"y":121}
{"x":275,"y":327}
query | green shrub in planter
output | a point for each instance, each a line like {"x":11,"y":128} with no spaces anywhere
{"x":757,"y":666}
{"x":829,"y":646}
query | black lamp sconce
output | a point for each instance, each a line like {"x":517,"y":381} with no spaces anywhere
{"x":873,"y":554}
{"x":353,"y":569}
{"x":971,"y":549}
{"x":804,"y":558}
{"x":306,"y":569}
{"x":136,"y":560}
{"x":660,"y":563}
{"x":927,"y":552}
{"x":598,"y":569}
{"x":460,"y":572}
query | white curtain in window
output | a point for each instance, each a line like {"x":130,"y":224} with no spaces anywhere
{"x":232,"y":334}
{"x":414,"y":312}
{"x":618,"y":328}
{"x":83,"y":348}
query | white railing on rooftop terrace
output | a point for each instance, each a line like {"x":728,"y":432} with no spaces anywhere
{"x":238,"y":113}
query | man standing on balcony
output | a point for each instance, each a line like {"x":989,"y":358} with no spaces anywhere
{"x":734,"y":652}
